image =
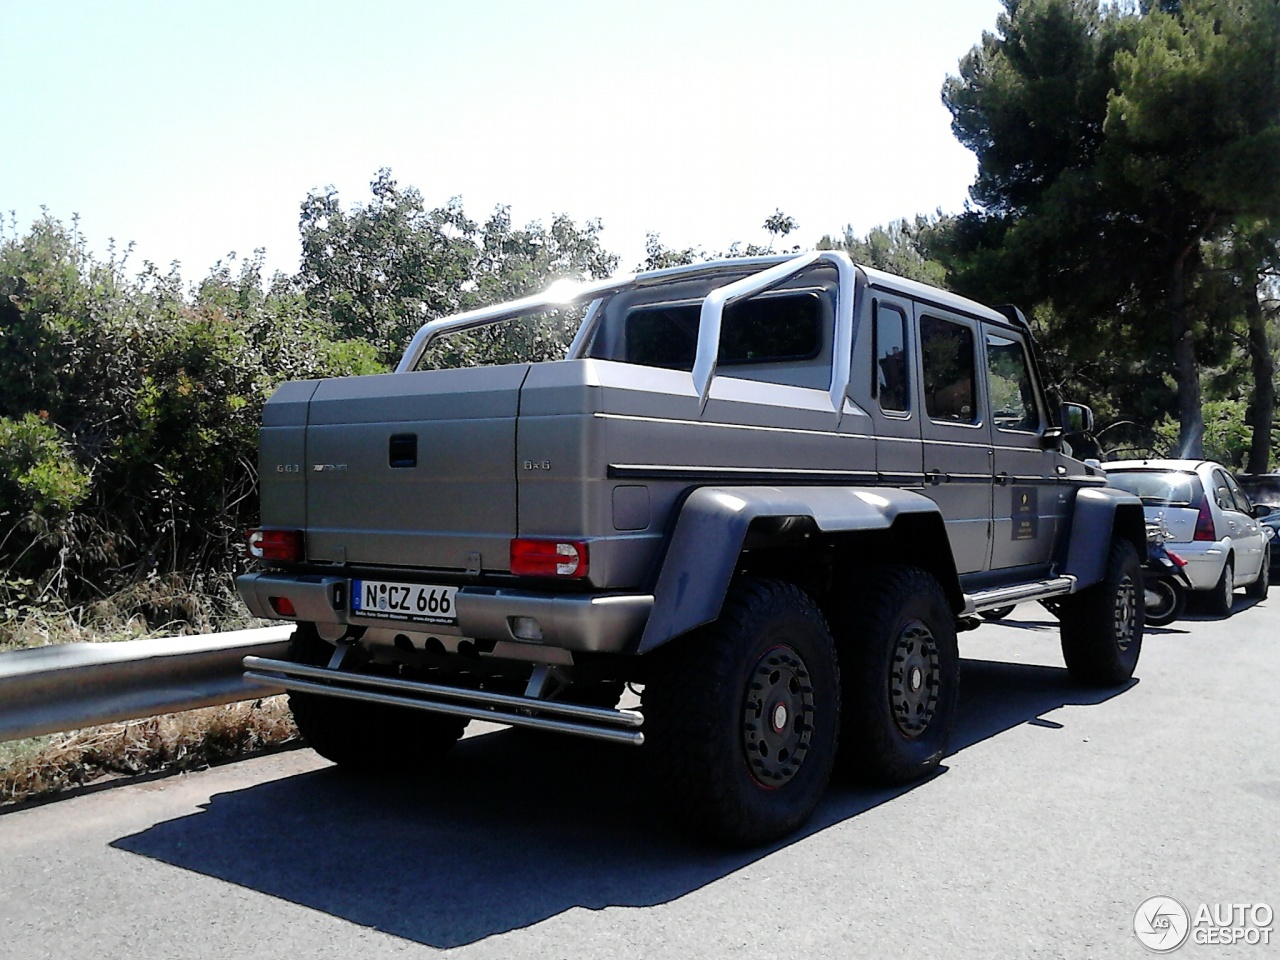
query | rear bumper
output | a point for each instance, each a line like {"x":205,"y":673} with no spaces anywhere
{"x":615,"y":726}
{"x":595,"y":623}
{"x":1205,"y":561}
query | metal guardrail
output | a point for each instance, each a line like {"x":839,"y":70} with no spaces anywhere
{"x":68,"y":686}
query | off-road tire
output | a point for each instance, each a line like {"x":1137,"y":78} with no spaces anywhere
{"x":999,"y":613}
{"x":1258,"y":589}
{"x":1171,"y":602}
{"x":742,"y":716}
{"x":365,"y":737}
{"x":900,"y":670}
{"x":1222,"y":597}
{"x":1102,"y":625}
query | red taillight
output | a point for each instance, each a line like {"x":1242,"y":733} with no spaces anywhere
{"x":1204,"y":523}
{"x":283,"y":606}
{"x":549,"y":558}
{"x":275,"y":544}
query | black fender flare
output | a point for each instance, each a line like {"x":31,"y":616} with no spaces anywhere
{"x":1099,"y":514}
{"x":712,"y":529}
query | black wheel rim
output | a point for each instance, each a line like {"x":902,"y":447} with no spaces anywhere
{"x":915,"y":675}
{"x":1126,"y":612}
{"x":777,"y":716}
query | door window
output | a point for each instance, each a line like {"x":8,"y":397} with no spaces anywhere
{"x":946,"y":356}
{"x":1013,"y":399}
{"x":1239,"y":496}
{"x":1222,"y":491}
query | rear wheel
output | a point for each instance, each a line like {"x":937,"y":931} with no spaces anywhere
{"x":1165,"y":601}
{"x":369,"y":737}
{"x":1102,"y":624}
{"x":901,"y":678}
{"x":1223,"y":595}
{"x":742,"y":716}
{"x":1258,"y":589}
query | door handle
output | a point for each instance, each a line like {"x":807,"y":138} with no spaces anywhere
{"x":1002,"y":478}
{"x":935,"y":477}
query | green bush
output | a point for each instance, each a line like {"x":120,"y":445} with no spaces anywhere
{"x":38,"y":474}
{"x":129,"y":412}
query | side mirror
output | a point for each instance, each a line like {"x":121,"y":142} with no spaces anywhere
{"x":1261,"y":510}
{"x":1076,"y":418}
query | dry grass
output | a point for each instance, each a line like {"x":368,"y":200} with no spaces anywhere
{"x":157,"y":607}
{"x":192,"y":740}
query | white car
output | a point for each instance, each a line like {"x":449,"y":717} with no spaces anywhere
{"x":1214,"y":525}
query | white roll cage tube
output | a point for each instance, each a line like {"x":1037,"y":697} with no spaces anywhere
{"x":777,"y":271}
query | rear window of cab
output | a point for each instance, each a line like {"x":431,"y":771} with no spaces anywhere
{"x":763,"y":330}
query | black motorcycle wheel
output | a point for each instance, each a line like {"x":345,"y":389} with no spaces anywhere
{"x":1165,"y":601}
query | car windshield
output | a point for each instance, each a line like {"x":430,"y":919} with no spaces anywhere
{"x":1262,"y":489}
{"x":1164,"y":487}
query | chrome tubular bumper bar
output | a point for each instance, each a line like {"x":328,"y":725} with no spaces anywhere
{"x":599,"y":723}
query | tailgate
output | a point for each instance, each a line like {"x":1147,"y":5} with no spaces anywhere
{"x":1181,"y":521}
{"x":414,"y":469}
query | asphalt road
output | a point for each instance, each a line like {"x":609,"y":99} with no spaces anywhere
{"x":1057,"y":813}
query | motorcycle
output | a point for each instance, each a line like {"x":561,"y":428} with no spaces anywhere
{"x":1165,"y":583}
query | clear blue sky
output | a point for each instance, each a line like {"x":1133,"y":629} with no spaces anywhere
{"x":194,"y":129}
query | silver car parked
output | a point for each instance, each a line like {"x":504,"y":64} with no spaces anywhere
{"x":1214,"y":525}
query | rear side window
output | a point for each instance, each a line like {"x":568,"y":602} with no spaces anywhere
{"x":1221,"y":492}
{"x":891,"y":358}
{"x":946,"y":356}
{"x":762,"y":330}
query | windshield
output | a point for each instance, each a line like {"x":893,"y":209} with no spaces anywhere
{"x":1158,"y":487}
{"x":1262,"y":489}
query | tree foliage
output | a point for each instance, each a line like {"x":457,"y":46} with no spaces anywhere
{"x":381,"y":269}
{"x":898,"y":248}
{"x":1120,"y":152}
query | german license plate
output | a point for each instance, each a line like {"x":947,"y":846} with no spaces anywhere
{"x":416,"y":602}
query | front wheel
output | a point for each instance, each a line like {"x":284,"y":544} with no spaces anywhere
{"x":901,"y":674}
{"x":1165,"y":601}
{"x":1102,"y":624}
{"x":742,"y":716}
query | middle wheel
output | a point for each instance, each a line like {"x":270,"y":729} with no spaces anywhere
{"x":901,"y":670}
{"x":742,"y":716}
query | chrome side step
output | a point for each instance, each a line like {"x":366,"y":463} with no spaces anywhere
{"x":1018,"y":593}
{"x":599,"y":723}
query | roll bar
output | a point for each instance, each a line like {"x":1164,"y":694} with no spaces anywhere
{"x":774,"y":272}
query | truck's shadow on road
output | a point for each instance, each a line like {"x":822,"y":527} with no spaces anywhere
{"x":512,"y":829}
